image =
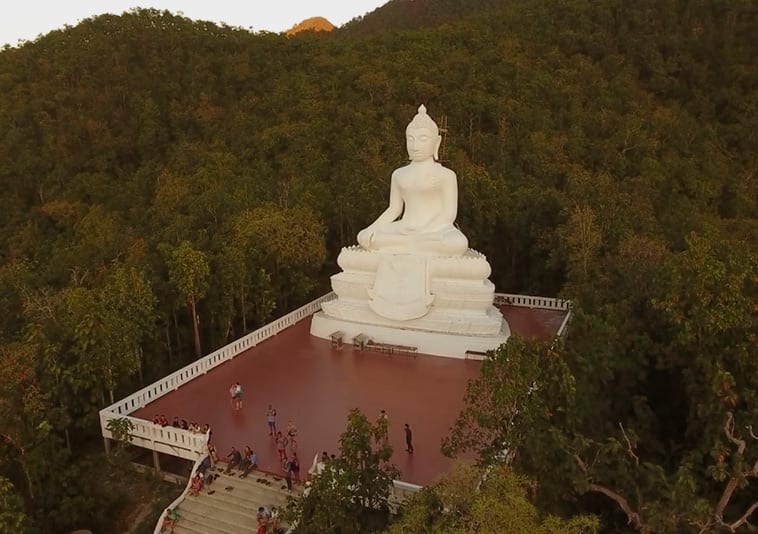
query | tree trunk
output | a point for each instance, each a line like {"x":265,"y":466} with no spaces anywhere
{"x":140,"y":357}
{"x":176,"y":331}
{"x":244,"y":312}
{"x":168,"y":343}
{"x":196,"y":328}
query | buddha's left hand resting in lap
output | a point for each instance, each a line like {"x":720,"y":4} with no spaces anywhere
{"x":423,"y":201}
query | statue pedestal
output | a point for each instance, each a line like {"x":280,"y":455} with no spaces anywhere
{"x":442,"y":305}
{"x":435,"y":343}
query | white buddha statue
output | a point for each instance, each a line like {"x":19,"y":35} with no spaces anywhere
{"x":412,"y":280}
{"x":423,"y":201}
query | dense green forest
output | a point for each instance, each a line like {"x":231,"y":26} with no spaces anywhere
{"x":168,"y":185}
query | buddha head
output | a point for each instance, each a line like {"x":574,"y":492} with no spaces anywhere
{"x":422,"y":137}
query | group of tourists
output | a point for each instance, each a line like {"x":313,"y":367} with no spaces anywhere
{"x":245,"y":461}
{"x":267,"y":519}
{"x":383,"y":426}
{"x":162,"y":420}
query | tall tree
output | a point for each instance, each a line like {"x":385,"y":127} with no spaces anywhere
{"x":189,"y":271}
{"x":352,"y":493}
{"x":486,"y":501}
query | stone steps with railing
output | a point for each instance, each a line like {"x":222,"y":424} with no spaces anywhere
{"x":219,"y":510}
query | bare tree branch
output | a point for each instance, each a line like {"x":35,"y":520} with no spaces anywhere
{"x":629,"y":447}
{"x":734,"y":481}
{"x":742,"y":520}
{"x":582,"y":465}
{"x":633,"y":516}
{"x":729,"y":431}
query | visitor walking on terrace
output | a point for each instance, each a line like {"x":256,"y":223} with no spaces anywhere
{"x":237,"y":392}
{"x":408,"y":438}
{"x":271,"y":420}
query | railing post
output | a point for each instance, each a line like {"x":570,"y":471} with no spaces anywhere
{"x":156,"y":462}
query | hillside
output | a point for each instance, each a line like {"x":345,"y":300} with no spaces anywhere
{"x":415,"y":14}
{"x":167,"y":185}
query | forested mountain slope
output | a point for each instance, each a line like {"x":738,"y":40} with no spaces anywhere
{"x":415,"y":14}
{"x":154,"y":169}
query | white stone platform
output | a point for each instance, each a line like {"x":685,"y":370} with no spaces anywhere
{"x":426,"y":342}
{"x":442,"y":305}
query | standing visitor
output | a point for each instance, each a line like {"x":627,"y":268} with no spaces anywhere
{"x":291,"y":429}
{"x":295,"y":468}
{"x":287,"y":467}
{"x":271,"y":420}
{"x":384,"y":427}
{"x":239,"y":392}
{"x":232,"y":395}
{"x":281,"y":446}
{"x":213,"y":454}
{"x":408,"y":438}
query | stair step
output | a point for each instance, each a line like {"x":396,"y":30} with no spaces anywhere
{"x":229,"y":501}
{"x":187,"y":525}
{"x":274,"y":486}
{"x":206,"y":508}
{"x":245,"y":493}
{"x":184,"y":528}
{"x":215,"y":521}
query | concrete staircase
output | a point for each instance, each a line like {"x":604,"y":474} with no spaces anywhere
{"x":232,"y":511}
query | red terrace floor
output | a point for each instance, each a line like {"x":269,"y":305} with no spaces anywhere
{"x":315,"y":385}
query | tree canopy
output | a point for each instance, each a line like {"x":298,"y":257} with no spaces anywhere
{"x":167,"y":185}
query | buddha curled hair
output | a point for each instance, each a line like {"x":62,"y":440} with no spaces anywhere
{"x":422,"y":120}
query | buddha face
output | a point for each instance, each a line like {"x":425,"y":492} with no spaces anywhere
{"x":422,"y":143}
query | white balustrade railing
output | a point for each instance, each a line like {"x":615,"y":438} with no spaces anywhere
{"x":538,"y":302}
{"x":564,"y":325}
{"x":528,"y":301}
{"x":402,"y":490}
{"x":184,"y":439}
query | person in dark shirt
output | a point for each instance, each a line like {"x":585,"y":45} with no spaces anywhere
{"x":295,"y":468}
{"x":204,"y":465}
{"x":249,"y":462}
{"x":234,"y":458}
{"x":408,"y":438}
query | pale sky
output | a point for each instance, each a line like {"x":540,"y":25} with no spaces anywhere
{"x":27,"y":19}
